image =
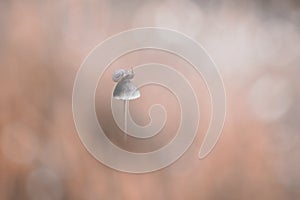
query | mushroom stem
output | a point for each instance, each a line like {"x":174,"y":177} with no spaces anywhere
{"x":125,"y":117}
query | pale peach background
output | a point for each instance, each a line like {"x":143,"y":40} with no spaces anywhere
{"x":256,"y":47}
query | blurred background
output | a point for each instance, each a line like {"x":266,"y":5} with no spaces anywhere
{"x":255,"y":44}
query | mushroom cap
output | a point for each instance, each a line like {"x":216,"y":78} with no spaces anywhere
{"x":126,"y":90}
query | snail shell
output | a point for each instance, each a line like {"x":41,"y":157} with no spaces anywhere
{"x":118,"y":75}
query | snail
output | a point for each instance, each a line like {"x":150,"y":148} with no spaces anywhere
{"x":125,"y":89}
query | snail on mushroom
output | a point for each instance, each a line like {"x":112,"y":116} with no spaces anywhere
{"x":125,"y":89}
